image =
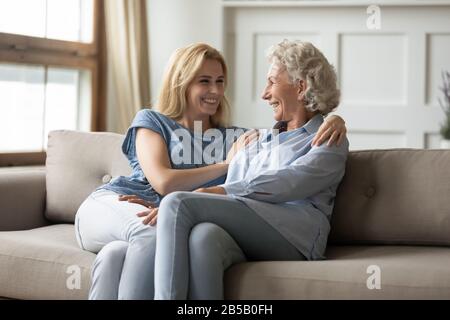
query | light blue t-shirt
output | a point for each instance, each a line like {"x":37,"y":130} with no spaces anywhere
{"x":173,"y":134}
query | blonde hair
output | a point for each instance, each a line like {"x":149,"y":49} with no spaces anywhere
{"x":303,"y":61}
{"x":182,"y":68}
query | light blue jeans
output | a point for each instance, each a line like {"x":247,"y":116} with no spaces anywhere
{"x":181,"y":212}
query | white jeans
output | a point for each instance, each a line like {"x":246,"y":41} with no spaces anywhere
{"x":102,"y":221}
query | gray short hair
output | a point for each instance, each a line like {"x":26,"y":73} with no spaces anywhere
{"x":303,"y":61}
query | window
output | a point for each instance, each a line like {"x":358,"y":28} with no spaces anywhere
{"x":51,"y":66}
{"x":70,"y":20}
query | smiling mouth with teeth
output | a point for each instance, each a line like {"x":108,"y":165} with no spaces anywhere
{"x":211,"y":101}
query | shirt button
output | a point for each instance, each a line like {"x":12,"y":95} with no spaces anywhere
{"x":106,"y":178}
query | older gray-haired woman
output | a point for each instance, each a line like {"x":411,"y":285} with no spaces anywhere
{"x":278,"y":198}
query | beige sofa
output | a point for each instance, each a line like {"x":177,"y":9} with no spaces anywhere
{"x":389,"y":240}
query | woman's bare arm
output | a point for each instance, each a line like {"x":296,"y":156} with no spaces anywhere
{"x":154,"y":160}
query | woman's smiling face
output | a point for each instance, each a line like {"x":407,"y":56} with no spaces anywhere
{"x":281,"y":94}
{"x":207,"y":89}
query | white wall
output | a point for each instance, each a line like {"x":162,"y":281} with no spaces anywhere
{"x":176,"y":23}
{"x":388,"y":77}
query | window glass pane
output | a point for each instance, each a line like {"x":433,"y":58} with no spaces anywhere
{"x":85,"y":101}
{"x":70,"y":20}
{"x":68,"y":100}
{"x":21,"y":110}
{"x":36,"y":100}
{"x":14,"y":18}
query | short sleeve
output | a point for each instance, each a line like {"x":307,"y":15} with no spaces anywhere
{"x":144,"y":119}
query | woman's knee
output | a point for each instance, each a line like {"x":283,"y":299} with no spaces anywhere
{"x":209,"y":237}
{"x":206,"y":234}
{"x":212,"y":247}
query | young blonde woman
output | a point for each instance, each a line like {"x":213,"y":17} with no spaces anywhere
{"x":166,"y":153}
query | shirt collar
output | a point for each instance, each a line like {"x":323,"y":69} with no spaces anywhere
{"x":312,"y":126}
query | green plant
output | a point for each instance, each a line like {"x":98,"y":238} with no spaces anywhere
{"x":445,"y":105}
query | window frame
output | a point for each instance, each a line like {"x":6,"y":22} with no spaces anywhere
{"x":29,"y":50}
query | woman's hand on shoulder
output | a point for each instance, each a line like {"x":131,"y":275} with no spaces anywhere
{"x":332,"y":129}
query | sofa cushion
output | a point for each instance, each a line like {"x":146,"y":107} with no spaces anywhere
{"x":394,"y":197}
{"x":406,"y":272}
{"x":39,"y":264}
{"x":44,"y":263}
{"x":77,"y":163}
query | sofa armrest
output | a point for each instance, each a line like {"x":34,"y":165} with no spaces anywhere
{"x":22,"y":198}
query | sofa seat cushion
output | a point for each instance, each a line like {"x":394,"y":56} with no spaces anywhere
{"x":44,"y":263}
{"x":407,"y":272}
{"x":40,"y":264}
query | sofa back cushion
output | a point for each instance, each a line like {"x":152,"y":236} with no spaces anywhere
{"x":77,"y":163}
{"x":399,"y":196}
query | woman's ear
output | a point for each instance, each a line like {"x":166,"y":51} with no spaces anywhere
{"x":301,"y":90}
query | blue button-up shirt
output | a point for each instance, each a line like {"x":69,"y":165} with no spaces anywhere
{"x":291,"y":184}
